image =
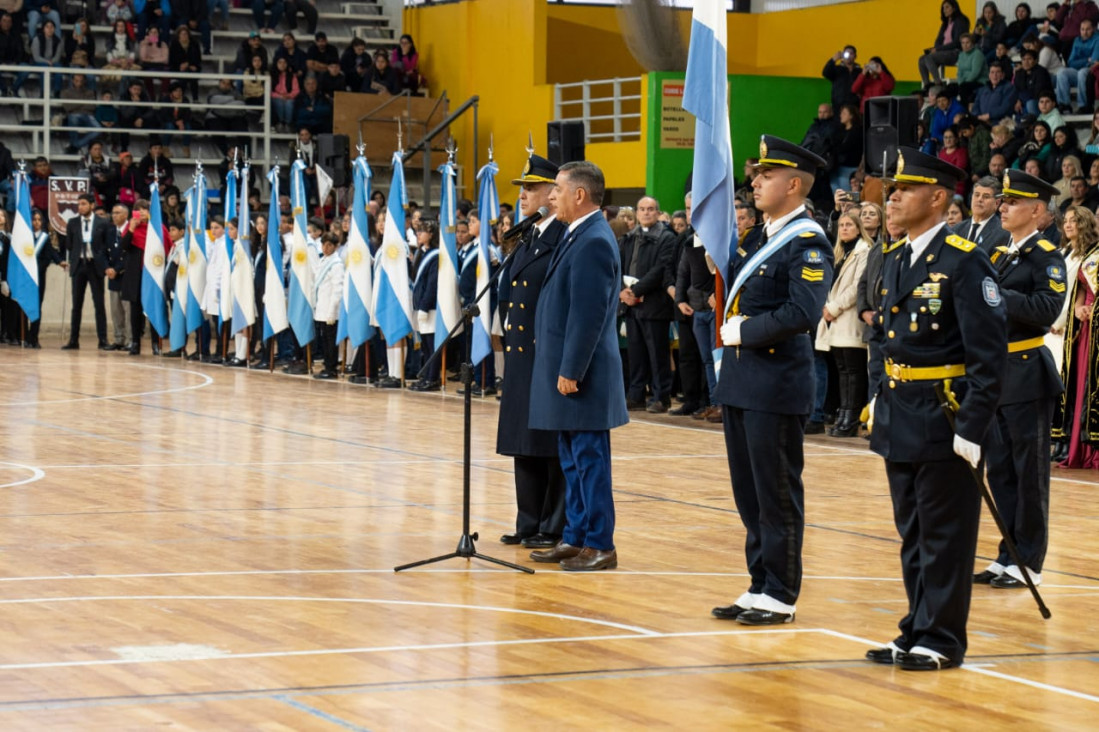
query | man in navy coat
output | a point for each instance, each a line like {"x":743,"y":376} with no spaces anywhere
{"x":576,"y":386}
{"x":765,"y":384}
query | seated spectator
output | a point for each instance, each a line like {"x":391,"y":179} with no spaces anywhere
{"x":40,"y":183}
{"x":1079,"y":195}
{"x":990,"y":28}
{"x":1017,"y":29}
{"x":1091,"y":146}
{"x":956,"y":213}
{"x":175,"y":117}
{"x":332,"y":81}
{"x":120,"y":10}
{"x":294,"y":56}
{"x":37,"y":12}
{"x":955,"y":154}
{"x":947,"y":108}
{"x":185,"y":55}
{"x":80,"y":45}
{"x":976,"y":138}
{"x":121,"y":51}
{"x":1030,"y":81}
{"x":254,"y":87}
{"x":1070,"y":19}
{"x":954,"y":24}
{"x":308,"y":10}
{"x":46,"y":51}
{"x":874,"y":81}
{"x":212,"y":6}
{"x":1048,"y":112}
{"x":996,"y":100}
{"x":1093,"y":176}
{"x":1064,"y":145}
{"x":321,"y":54}
{"x":405,"y":61}
{"x":1070,"y":170}
{"x":106,"y":115}
{"x":195,"y":14}
{"x":313,"y":110}
{"x":153,"y":14}
{"x":972,"y":68}
{"x":354,"y":62}
{"x":155,"y":167}
{"x":1085,"y":52}
{"x":152,"y":53}
{"x":227,"y":113}
{"x":249,"y":47}
{"x":271,"y":10}
{"x":135,"y":117}
{"x":1049,"y":55}
{"x":79,"y":106}
{"x":1004,"y":143}
{"x":12,"y":52}
{"x":284,"y":90}
{"x":1036,"y":148}
{"x":381,"y":77}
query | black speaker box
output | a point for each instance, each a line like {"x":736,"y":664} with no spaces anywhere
{"x":333,"y":152}
{"x":889,"y":122}
{"x":564,"y":141}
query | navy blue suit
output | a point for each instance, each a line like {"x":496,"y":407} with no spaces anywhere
{"x":575,"y":330}
{"x":766,"y":388}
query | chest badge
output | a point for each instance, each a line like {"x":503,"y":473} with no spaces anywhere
{"x":813,"y":256}
{"x":934,"y":305}
{"x":937,"y":277}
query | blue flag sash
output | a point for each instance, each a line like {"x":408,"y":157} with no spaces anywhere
{"x":788,"y":234}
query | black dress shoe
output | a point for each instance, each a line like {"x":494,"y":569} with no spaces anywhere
{"x":156,"y":349}
{"x":105,"y":347}
{"x":591,"y":560}
{"x":985,"y":577}
{"x":326,"y":375}
{"x":558,"y":553}
{"x":755,"y":616}
{"x":512,"y":539}
{"x":886,"y":655}
{"x":235,"y":363}
{"x":686,"y":410}
{"x":215,"y":359}
{"x":71,"y":346}
{"x":541,"y":541}
{"x":264,"y":365}
{"x":814,"y":428}
{"x":32,"y":344}
{"x":135,"y":350}
{"x":728,"y":612}
{"x":633,"y":406}
{"x":359,"y":380}
{"x":196,"y":356}
{"x":656,"y":407}
{"x":296,"y":369}
{"x":174,"y":354}
{"x":389,"y":382}
{"x":920,"y":662}
{"x":114,"y":347}
{"x":1006,"y":582}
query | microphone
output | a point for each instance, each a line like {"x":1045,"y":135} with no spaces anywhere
{"x":523,"y":226}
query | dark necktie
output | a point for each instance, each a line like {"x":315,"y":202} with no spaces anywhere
{"x":906,"y":258}
{"x":973,"y":229}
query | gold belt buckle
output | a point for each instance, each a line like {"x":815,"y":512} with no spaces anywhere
{"x":895,"y":370}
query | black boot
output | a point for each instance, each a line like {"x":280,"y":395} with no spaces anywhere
{"x":1060,"y":451}
{"x":847,"y":425}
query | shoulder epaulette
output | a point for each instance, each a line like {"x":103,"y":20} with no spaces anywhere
{"x":959,"y":243}
{"x":887,"y":248}
{"x":808,"y":235}
{"x":1047,"y":246}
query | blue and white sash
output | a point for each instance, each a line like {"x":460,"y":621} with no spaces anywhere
{"x":784,"y":237}
{"x":431,"y":256}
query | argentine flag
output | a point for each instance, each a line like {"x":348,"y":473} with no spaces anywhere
{"x":274,"y":292}
{"x":706,"y":96}
{"x":243,"y":281}
{"x":488,"y":205}
{"x":448,"y":308}
{"x":196,"y":255}
{"x":300,"y":311}
{"x":393,"y":312}
{"x":358,"y":288}
{"x":225,"y":293}
{"x":177,"y":328}
{"x":22,"y":274}
{"x":153,"y":301}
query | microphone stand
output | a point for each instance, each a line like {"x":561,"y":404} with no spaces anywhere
{"x":466,"y":548}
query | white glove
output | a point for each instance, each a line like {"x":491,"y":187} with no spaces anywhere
{"x":966,"y":450}
{"x":4,"y":289}
{"x":870,"y":414}
{"x":730,"y":332}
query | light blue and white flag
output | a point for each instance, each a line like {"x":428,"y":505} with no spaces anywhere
{"x":393,"y":312}
{"x":301,"y":303}
{"x":274,"y":292}
{"x":22,"y":274}
{"x":177,"y":328}
{"x":153,"y":301}
{"x":706,"y":96}
{"x":243,"y":281}
{"x":225,"y":292}
{"x":196,"y":255}
{"x":358,"y":285}
{"x":488,"y":206}
{"x":448,"y":308}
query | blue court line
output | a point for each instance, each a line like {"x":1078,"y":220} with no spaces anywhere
{"x":320,"y":714}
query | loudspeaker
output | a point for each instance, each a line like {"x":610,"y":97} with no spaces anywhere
{"x":889,"y":122}
{"x":564,"y":141}
{"x":333,"y":152}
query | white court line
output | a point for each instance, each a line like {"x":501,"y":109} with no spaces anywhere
{"x":36,"y":474}
{"x":207,"y":381}
{"x":985,"y":671}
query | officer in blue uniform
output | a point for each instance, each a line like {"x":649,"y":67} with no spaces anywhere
{"x":576,"y":384}
{"x":765,"y":386}
{"x":1032,"y":283}
{"x":539,"y":482}
{"x":944,"y":322}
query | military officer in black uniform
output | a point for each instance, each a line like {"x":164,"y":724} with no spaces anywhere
{"x":943,"y":321}
{"x":539,"y":481}
{"x":765,"y":385}
{"x":1032,"y":283}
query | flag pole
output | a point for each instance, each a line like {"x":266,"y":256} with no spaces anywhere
{"x":309,"y":358}
{"x":271,"y":355}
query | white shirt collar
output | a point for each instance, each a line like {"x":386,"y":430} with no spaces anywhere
{"x":582,"y":219}
{"x":1016,"y":244}
{"x":919,"y":244}
{"x":775,"y":226}
{"x":544,"y":224}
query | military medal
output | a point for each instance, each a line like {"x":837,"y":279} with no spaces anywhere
{"x":935,"y":305}
{"x":913,"y":326}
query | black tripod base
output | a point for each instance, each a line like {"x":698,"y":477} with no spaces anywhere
{"x":465,"y":550}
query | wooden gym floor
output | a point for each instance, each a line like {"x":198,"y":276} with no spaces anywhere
{"x":194,"y":547}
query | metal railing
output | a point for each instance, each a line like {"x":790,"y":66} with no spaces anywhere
{"x":609,"y":108}
{"x":43,"y":132}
